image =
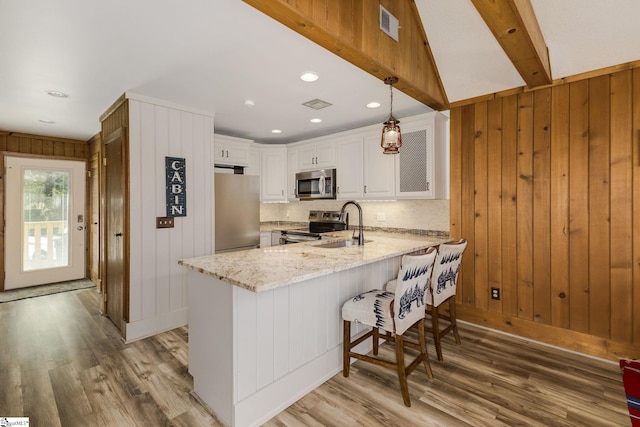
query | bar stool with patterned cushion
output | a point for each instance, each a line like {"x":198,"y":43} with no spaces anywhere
{"x":442,"y":289}
{"x":380,"y":309}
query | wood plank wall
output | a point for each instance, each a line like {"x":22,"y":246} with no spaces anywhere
{"x":95,"y":239}
{"x":545,"y":185}
{"x":115,"y":117}
{"x":26,"y":144}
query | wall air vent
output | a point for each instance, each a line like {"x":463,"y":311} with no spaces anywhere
{"x":317,"y":104}
{"x":389,"y":23}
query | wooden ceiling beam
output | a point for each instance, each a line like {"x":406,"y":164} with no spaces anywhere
{"x":350,"y":29}
{"x":515,"y":26}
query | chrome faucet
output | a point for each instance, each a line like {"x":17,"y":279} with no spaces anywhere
{"x":360,"y":235}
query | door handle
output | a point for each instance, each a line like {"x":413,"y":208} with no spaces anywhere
{"x":118,"y":235}
{"x":80,"y":228}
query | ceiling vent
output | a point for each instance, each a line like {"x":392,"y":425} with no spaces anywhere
{"x":317,"y":104}
{"x":389,"y":23}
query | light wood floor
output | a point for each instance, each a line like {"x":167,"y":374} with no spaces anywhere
{"x":62,"y":364}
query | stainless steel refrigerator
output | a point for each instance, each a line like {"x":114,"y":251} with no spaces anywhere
{"x":237,"y":212}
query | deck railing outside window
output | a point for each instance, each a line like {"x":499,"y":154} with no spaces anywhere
{"x":46,"y":244}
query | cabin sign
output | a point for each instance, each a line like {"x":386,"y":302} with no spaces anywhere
{"x":176,"y":186}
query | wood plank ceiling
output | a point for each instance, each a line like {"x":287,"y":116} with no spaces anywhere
{"x":350,"y":29}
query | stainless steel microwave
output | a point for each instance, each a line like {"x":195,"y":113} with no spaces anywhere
{"x":318,"y":184}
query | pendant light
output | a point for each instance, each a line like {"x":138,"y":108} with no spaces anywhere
{"x":391,"y":137}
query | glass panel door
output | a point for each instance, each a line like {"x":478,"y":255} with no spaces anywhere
{"x":44,"y":230}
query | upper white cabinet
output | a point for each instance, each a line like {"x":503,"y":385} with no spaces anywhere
{"x":421,"y":165}
{"x":350,"y":168}
{"x":254,"y":161}
{"x":273,"y":173}
{"x":292,"y":169}
{"x":317,"y":155}
{"x":231,"y":151}
{"x":419,"y":171}
{"x":379,"y":169}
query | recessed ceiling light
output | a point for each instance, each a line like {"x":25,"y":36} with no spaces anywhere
{"x":276,"y":131}
{"x":49,"y":122}
{"x":249,"y":103}
{"x":56,"y":94}
{"x":316,"y":120}
{"x":373,"y":105}
{"x":309,"y":76}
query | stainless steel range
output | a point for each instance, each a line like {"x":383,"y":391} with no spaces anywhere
{"x":319,"y":222}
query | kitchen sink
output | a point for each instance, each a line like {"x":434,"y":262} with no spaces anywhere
{"x":340,"y":243}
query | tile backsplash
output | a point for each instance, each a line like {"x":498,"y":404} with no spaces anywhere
{"x":409,"y":214}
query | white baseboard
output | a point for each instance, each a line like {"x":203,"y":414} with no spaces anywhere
{"x":148,"y":327}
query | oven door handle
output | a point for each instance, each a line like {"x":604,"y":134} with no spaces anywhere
{"x":290,"y":240}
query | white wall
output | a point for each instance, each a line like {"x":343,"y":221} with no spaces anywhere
{"x":411,"y":214}
{"x":158,"y":289}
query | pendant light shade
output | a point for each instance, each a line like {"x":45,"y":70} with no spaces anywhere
{"x":391,"y":136}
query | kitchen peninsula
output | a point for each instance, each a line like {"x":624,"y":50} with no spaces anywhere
{"x":265,"y":325}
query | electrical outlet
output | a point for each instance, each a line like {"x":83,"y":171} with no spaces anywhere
{"x":495,"y":293}
{"x":164,"y":222}
{"x":381,"y":216}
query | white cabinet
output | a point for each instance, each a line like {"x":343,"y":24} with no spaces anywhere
{"x":317,"y":155}
{"x":265,"y":239}
{"x":350,"y":168}
{"x":230,"y":151}
{"x":421,"y":171}
{"x":363,"y":171}
{"x":292,"y":169}
{"x":275,"y":237}
{"x":254,"y":162}
{"x":379,"y":169}
{"x":273,"y":174}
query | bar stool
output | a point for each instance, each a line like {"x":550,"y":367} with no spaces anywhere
{"x":380,"y":309}
{"x":443,"y":289}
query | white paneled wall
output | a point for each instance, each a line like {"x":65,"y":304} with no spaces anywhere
{"x":158,"y":289}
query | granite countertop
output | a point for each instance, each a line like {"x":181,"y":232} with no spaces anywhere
{"x":268,"y":268}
